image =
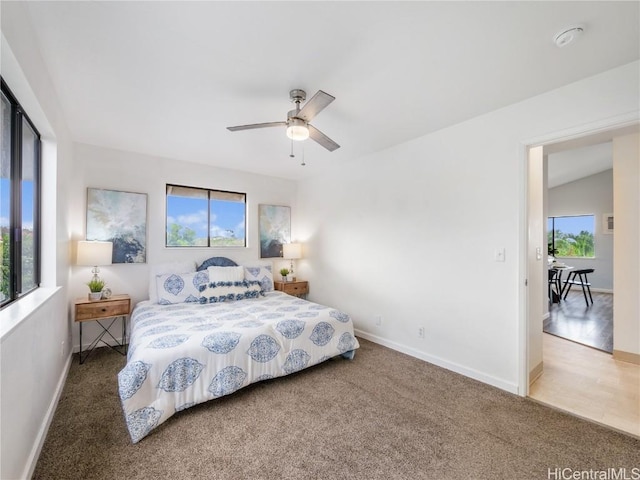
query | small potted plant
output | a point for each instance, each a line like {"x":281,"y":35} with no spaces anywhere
{"x":95,"y":287}
{"x":284,"y":272}
{"x":552,"y":254}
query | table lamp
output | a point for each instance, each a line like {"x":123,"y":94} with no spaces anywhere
{"x":292,"y":251}
{"x":94,"y":253}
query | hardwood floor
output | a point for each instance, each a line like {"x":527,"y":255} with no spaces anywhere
{"x":573,"y":320}
{"x":589,"y":383}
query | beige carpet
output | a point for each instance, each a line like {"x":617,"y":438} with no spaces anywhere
{"x":383,"y":415}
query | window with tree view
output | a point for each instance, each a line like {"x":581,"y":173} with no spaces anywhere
{"x":19,"y":201}
{"x":197,"y":217}
{"x":571,"y":236}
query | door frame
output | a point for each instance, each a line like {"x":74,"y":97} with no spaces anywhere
{"x":528,"y":294}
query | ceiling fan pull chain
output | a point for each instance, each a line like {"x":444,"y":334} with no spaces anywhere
{"x":303,"y":164}
{"x":291,"y":154}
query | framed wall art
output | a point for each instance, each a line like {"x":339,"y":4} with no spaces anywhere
{"x":607,"y":223}
{"x":274,"y":224}
{"x":120,"y":218}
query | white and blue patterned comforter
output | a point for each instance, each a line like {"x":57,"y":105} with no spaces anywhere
{"x":184,"y":354}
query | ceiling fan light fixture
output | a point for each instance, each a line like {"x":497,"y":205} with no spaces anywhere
{"x":297,"y":124}
{"x":297,"y":130}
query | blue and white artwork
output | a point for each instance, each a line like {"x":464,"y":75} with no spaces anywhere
{"x":120,"y":218}
{"x":274,"y":225}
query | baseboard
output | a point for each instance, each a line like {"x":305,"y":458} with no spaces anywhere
{"x":601,"y":290}
{"x":626,"y":357}
{"x":454,"y":367}
{"x":32,"y":460}
{"x":535,"y":373}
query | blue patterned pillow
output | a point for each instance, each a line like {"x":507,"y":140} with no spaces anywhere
{"x":180,"y":287}
{"x":229,"y":291}
{"x":165,"y":269}
{"x":262,"y":274}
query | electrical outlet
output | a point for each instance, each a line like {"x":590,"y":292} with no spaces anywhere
{"x":420,"y":332}
{"x":378,"y":319}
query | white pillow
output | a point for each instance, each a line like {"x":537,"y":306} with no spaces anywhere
{"x":260,"y":273}
{"x":163,"y":269}
{"x":180,"y":287}
{"x":225,"y":274}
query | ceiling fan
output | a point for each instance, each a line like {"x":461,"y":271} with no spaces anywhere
{"x":298,"y":126}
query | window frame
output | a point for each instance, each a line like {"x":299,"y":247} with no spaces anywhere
{"x":208,"y":192}
{"x":17,"y":117}
{"x":552,"y":245}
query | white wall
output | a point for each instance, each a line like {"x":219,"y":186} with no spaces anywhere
{"x":626,"y":237}
{"x":536,"y":258}
{"x":33,"y":373}
{"x":110,"y":169}
{"x":410,"y":233}
{"x":591,"y":195}
{"x":35,"y":350}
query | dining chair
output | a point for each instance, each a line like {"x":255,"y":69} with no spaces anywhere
{"x":579,"y":277}
{"x":555,"y":288}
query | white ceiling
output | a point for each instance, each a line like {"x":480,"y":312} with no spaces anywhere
{"x":166,"y":78}
{"x":570,"y":165}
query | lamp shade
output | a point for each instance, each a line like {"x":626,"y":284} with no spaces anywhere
{"x":94,"y":253}
{"x":292,"y":250}
{"x":297,"y":129}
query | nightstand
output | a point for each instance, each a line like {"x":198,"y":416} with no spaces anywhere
{"x":117,"y":306}
{"x":297,"y":289}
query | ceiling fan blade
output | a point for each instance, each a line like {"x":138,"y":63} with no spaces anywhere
{"x":314,"y":106}
{"x":257,"y":125}
{"x":322,"y":139}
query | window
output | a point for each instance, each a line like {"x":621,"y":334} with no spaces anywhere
{"x":571,"y":236}
{"x":19,"y":201}
{"x":197,"y":217}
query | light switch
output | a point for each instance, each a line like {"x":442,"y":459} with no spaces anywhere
{"x":500,"y":254}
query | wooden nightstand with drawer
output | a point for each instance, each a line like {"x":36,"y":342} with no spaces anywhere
{"x":117,"y":306}
{"x":297,"y":289}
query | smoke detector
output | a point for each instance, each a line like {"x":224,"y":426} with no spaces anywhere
{"x":567,"y":36}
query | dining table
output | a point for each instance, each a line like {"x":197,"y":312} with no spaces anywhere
{"x":559,"y":269}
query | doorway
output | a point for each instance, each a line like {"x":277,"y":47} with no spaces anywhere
{"x":579,"y":196}
{"x":545,"y":364}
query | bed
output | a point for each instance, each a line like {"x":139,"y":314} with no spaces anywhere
{"x":217,"y":336}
